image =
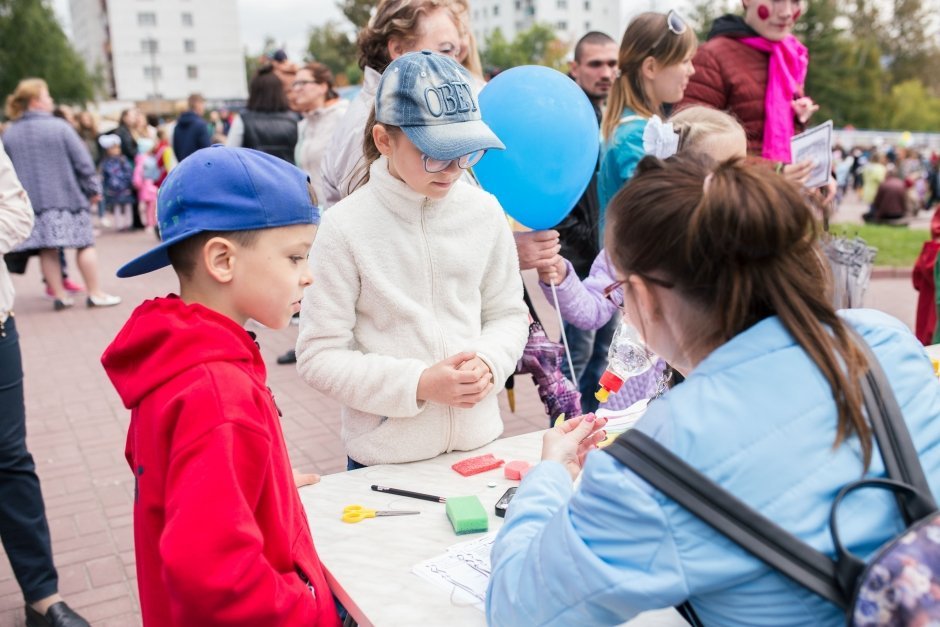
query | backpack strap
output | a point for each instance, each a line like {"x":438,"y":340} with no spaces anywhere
{"x":728,"y":515}
{"x":761,"y":537}
{"x":894,"y":439}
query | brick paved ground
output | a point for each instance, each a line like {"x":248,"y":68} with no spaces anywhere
{"x":77,"y":427}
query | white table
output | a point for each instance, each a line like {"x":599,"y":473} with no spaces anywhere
{"x":368,"y":564}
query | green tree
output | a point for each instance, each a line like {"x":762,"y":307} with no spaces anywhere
{"x":357,"y":12}
{"x":332,"y":46}
{"x":702,"y":13}
{"x":864,"y":94}
{"x":906,"y":42}
{"x":913,"y":108}
{"x":831,"y":68}
{"x":35,"y":46}
{"x":536,"y":46}
{"x":253,"y":61}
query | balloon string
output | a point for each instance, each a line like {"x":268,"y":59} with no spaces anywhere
{"x":564,"y":338}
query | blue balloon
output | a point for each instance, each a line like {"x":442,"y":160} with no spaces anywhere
{"x":551,"y":136}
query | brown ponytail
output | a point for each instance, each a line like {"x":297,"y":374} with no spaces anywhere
{"x":741,"y":244}
{"x":370,"y":152}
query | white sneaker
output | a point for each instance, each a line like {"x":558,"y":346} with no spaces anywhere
{"x":105,"y":300}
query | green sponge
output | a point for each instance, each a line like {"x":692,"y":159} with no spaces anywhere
{"x":466,"y":514}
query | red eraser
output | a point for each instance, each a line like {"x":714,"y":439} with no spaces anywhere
{"x":515,"y":470}
{"x":524,"y":472}
{"x":475,"y":465}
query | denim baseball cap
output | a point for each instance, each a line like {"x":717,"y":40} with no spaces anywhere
{"x":225,"y":189}
{"x":430,"y":98}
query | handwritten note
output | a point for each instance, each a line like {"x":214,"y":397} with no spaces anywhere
{"x":463,"y":571}
{"x":815,"y":145}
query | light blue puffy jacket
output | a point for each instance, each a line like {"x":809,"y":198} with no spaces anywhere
{"x":757,"y":417}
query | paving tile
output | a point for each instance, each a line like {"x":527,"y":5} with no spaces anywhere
{"x":106,"y":570}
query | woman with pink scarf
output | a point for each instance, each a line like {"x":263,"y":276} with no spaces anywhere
{"x":754,"y":68}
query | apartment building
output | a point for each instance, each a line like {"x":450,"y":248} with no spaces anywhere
{"x":162,"y":49}
{"x":569,"y":18}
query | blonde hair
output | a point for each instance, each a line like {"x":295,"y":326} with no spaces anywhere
{"x":698,"y":124}
{"x":648,"y":35}
{"x":398,"y":19}
{"x":26,"y":91}
{"x":471,"y":53}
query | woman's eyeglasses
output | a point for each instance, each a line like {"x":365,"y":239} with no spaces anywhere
{"x":674,"y":24}
{"x":433,"y":166}
{"x":614,"y":293}
{"x":299,"y":84}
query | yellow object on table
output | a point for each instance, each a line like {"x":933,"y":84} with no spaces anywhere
{"x":357,"y":513}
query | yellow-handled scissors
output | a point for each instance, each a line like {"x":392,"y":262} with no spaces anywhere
{"x":356,"y":513}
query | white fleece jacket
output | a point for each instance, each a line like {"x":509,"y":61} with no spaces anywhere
{"x":400,"y":283}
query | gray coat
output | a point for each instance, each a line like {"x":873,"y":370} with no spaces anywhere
{"x":52,"y":162}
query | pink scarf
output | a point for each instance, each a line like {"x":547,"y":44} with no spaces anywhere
{"x":786,"y":74}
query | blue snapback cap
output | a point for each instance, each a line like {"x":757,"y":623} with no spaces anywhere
{"x":428,"y":95}
{"x":225,"y":189}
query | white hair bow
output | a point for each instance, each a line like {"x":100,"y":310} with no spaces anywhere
{"x":659,"y":139}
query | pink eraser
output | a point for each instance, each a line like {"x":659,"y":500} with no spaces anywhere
{"x":475,"y":465}
{"x":515,"y":470}
{"x":524,"y":472}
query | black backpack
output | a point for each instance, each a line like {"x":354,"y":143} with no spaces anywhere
{"x":900,"y":583}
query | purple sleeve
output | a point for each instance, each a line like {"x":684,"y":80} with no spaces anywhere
{"x":582,"y":303}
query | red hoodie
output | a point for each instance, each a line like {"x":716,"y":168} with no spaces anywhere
{"x":220,"y":534}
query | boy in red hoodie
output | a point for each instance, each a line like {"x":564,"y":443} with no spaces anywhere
{"x":221,"y":537}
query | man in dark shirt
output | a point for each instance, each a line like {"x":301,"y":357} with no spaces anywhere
{"x":192,"y":131}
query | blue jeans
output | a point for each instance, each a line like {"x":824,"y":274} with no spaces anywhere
{"x":352,"y":464}
{"x":23,"y":527}
{"x":589,"y":355}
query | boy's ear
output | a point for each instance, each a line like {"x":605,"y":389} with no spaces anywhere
{"x":382,"y":139}
{"x":218,"y":257}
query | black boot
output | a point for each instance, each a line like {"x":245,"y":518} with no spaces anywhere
{"x":290,"y":357}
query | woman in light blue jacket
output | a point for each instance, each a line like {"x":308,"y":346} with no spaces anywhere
{"x":722,"y":273}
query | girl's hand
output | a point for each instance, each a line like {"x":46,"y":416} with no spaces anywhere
{"x":569,"y":442}
{"x":448,"y":383}
{"x":556,"y":272}
{"x":798,"y":172}
{"x":804,"y":108}
{"x":537,"y":249}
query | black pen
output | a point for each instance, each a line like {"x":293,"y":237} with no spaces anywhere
{"x":414,"y":495}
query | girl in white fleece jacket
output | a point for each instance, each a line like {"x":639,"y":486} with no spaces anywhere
{"x":416,"y":315}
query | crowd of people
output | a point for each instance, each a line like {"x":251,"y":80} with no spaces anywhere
{"x":895,"y":183}
{"x":365,"y":220}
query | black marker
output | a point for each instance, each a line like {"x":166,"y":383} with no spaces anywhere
{"x":414,"y":495}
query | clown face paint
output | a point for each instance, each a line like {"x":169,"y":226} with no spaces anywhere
{"x":772,"y":19}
